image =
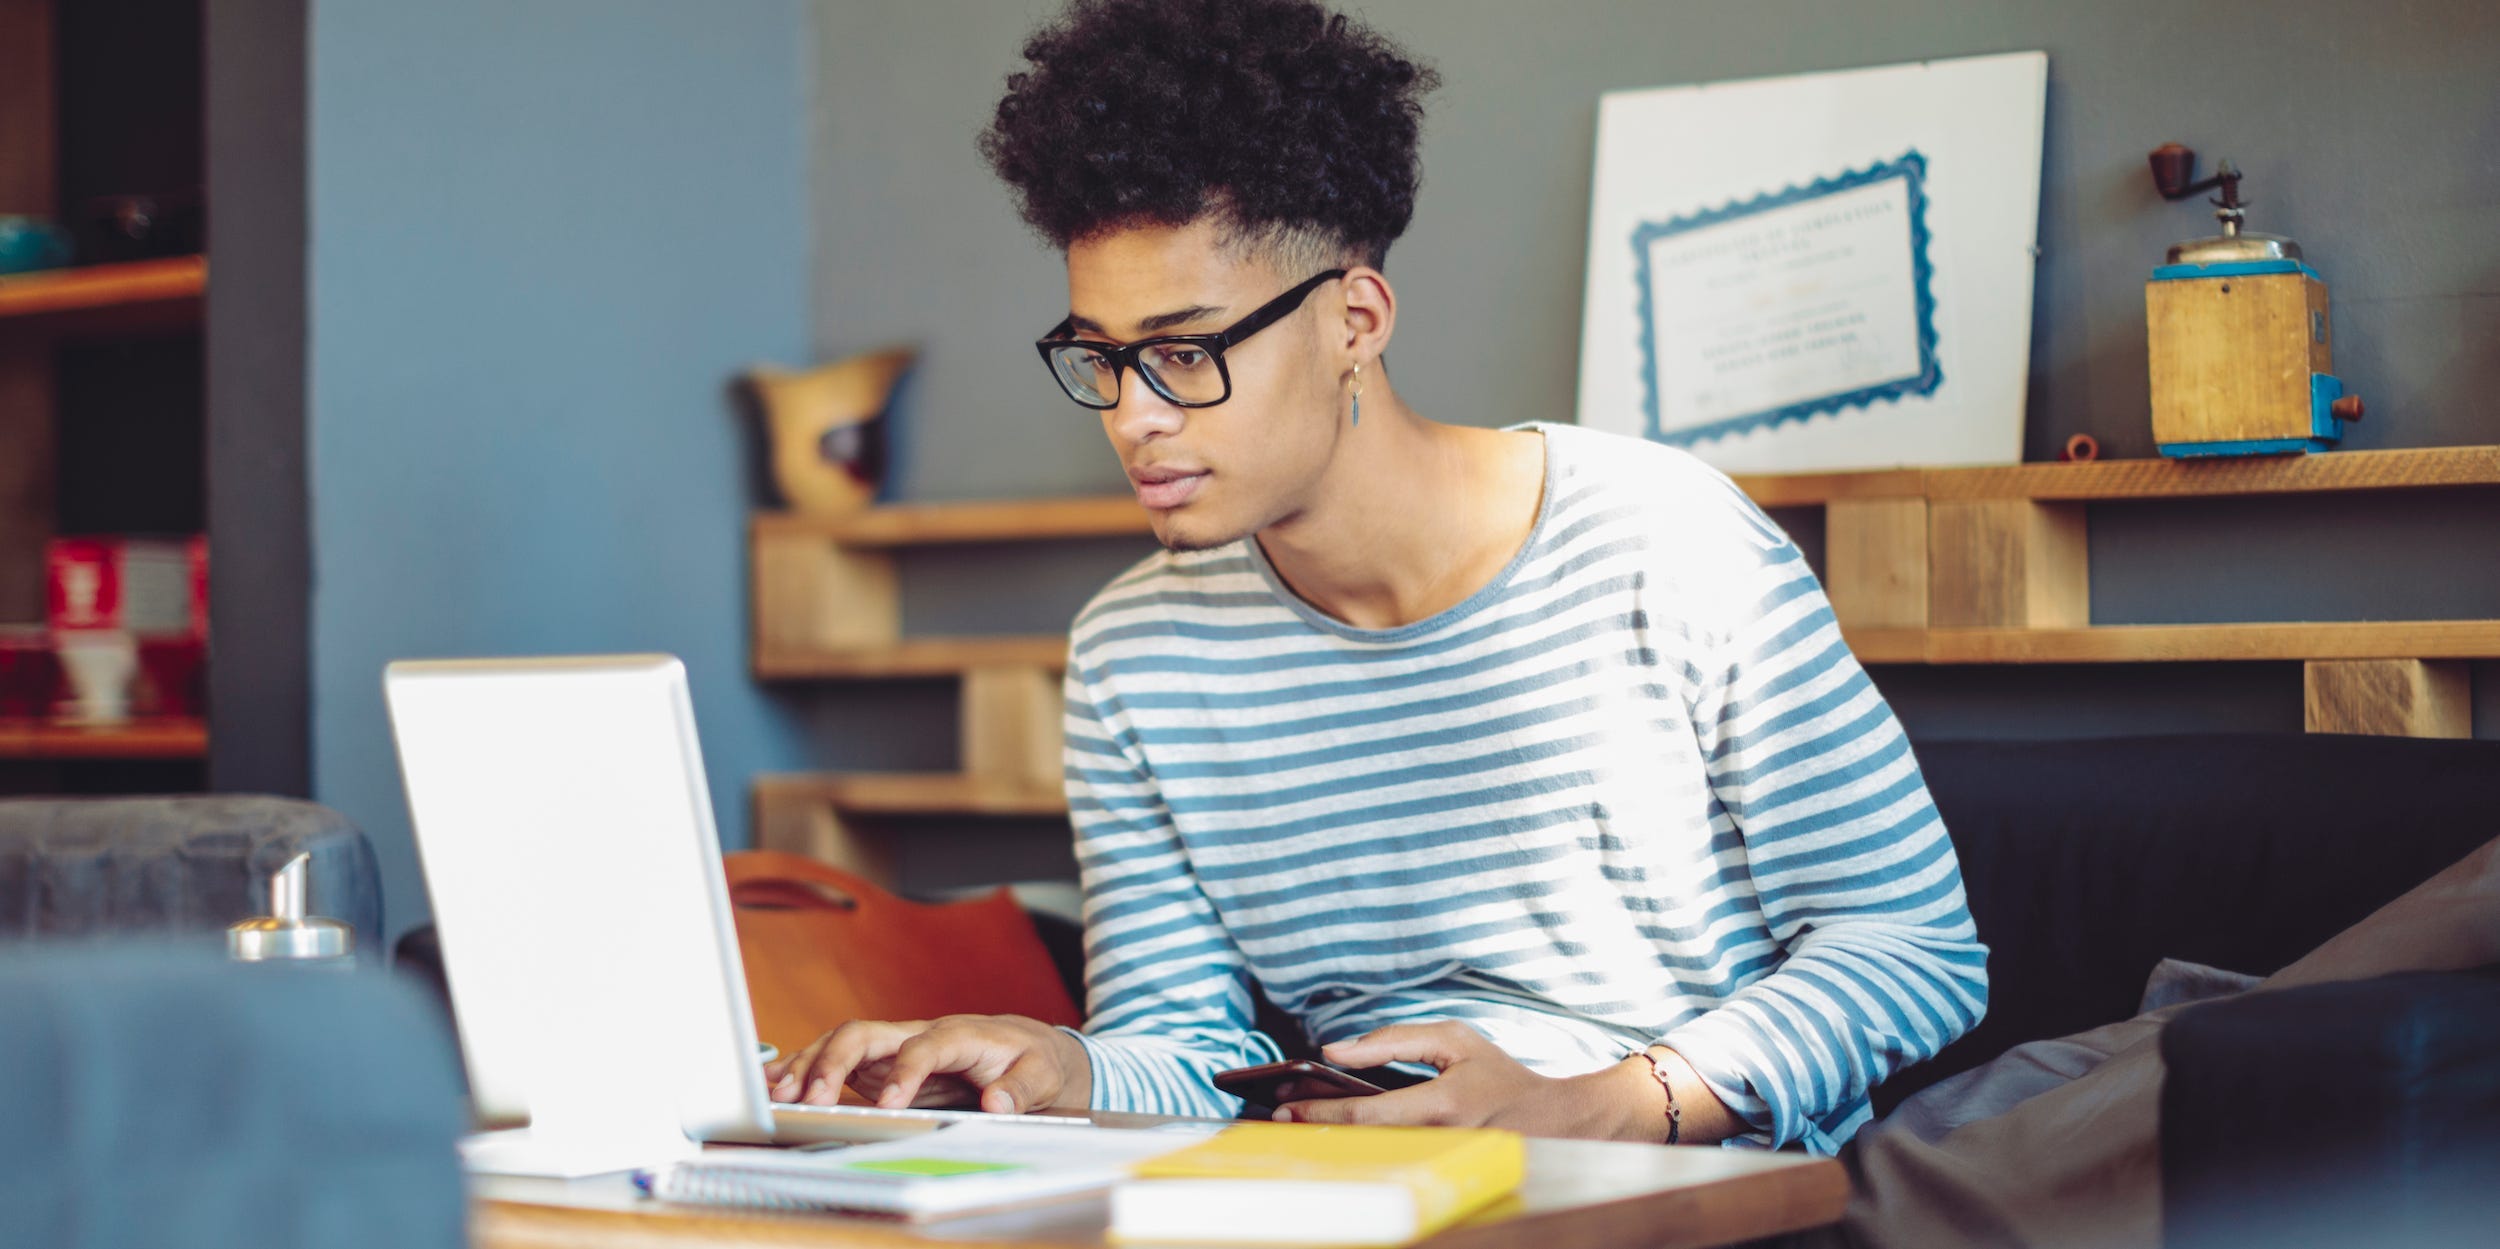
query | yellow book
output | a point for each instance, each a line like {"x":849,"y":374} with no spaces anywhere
{"x":1324,"y":1184}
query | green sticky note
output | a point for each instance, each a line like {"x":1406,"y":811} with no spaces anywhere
{"x":932,"y":1167}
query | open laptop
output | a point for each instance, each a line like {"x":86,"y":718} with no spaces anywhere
{"x":565,"y":830}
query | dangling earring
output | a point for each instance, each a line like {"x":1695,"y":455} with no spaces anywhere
{"x":1358,"y":394}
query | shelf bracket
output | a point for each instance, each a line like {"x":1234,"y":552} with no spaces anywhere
{"x":2008,"y":564}
{"x":2388,"y":697}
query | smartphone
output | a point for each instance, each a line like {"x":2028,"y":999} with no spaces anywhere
{"x":1303,"y":1080}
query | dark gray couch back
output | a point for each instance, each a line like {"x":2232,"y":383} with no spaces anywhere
{"x":76,"y":867}
{"x":2088,"y":861}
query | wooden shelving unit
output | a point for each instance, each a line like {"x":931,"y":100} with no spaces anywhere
{"x":820,"y":815}
{"x":62,"y":330}
{"x":1880,"y":526}
{"x":839,"y":818}
{"x":1979,"y":566}
{"x":137,"y":739}
{"x":935,"y":524}
{"x":826,"y":602}
{"x":2216,"y":643}
{"x":2113,"y":481}
{"x":139,"y":296}
{"x":914,"y":657}
{"x":38,"y":310}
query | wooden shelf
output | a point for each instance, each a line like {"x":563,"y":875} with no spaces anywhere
{"x":137,"y":739}
{"x":935,"y":524}
{"x":917,"y":657}
{"x":914,"y":793}
{"x":840,"y":818}
{"x":1815,"y":489}
{"x":115,"y":298}
{"x":2195,"y":643}
{"x":2054,"y":485}
{"x":2118,"y":480}
{"x":2198,"y":643}
{"x":1938,"y":566}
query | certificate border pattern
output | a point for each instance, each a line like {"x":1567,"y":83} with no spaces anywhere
{"x":1911,"y":167}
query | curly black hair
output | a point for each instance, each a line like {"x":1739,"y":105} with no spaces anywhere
{"x":1296,"y":125}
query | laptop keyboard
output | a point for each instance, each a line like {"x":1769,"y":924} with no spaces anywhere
{"x":923,"y":1115}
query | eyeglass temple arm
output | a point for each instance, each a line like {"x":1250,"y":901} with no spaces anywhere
{"x":1276,"y":309}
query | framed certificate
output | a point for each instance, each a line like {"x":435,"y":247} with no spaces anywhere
{"x":1829,"y":271}
{"x":1815,"y":299}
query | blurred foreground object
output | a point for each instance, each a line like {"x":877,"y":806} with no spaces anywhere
{"x":827,"y":426}
{"x":2241,"y":350}
{"x":2398,"y":1146}
{"x":157,"y":1099}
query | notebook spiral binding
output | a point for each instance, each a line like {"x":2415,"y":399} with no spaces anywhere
{"x":716,"y":1185}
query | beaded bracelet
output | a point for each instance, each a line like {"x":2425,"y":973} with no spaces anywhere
{"x":1675,"y":1113}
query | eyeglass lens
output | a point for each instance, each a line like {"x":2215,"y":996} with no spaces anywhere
{"x":1183,"y":372}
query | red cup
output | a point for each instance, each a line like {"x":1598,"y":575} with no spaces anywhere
{"x":30,"y":674}
{"x":170,"y":671}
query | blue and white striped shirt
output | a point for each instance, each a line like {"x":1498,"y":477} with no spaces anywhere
{"x":1635,"y":790}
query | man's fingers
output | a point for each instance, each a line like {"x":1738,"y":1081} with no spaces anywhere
{"x":953,"y":1061}
{"x":941,"y":1090}
{"x":789,"y":1066}
{"x":820,"y":1082}
{"x":921,"y":1056}
{"x":1439,"y":1044}
{"x":1421,"y":1105}
{"x":842,"y":1050}
{"x":783,"y":1077}
{"x":1021,"y":1087}
{"x":1331,"y":1110}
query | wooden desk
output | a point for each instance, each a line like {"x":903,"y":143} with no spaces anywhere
{"x":1579,"y":1195}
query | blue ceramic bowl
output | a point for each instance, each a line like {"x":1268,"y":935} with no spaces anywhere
{"x":31,"y":243}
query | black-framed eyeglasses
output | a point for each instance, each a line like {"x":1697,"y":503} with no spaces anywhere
{"x":1186,"y":369}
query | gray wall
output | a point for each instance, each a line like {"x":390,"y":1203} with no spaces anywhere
{"x":2369,"y":132}
{"x":544,"y":237}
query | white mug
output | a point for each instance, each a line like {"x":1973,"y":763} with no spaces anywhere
{"x":100,"y":668}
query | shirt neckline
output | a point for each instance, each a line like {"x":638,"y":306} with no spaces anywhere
{"x":1473,"y":603}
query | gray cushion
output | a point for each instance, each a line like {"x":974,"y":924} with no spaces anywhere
{"x":169,"y":1099}
{"x":188,"y":865}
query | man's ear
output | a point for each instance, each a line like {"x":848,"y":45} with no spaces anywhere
{"x":1371,"y":312}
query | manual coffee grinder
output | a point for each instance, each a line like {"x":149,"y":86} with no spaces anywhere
{"x":2241,"y":348}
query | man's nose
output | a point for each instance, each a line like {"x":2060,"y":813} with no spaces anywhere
{"x":1141,"y":414}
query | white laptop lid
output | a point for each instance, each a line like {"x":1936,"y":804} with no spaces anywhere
{"x":565,"y":830}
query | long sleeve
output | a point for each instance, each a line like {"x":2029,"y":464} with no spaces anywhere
{"x":1167,"y":994}
{"x":1847,"y":858}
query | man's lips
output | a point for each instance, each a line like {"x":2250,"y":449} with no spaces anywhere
{"x":1161,"y":489}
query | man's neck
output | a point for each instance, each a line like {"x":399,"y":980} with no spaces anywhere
{"x":1411,"y":519}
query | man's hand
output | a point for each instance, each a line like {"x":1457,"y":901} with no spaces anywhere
{"x":1480,"y":1086}
{"x":1009,"y":1063}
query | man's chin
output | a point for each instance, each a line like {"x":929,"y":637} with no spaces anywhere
{"x":1180,"y":532}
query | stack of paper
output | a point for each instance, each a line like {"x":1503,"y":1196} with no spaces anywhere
{"x":1290,"y":1184}
{"x":957,"y":1170}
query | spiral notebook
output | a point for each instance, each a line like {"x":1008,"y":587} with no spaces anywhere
{"x":965,"y":1169}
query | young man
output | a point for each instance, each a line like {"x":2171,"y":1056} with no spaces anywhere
{"x":1532,"y":755}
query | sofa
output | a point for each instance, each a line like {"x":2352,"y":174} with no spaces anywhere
{"x":184,"y":866}
{"x":2352,"y":1112}
{"x":155,"y":1094}
{"x":2088,"y":863}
